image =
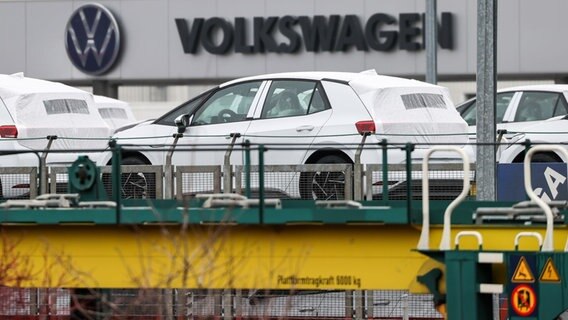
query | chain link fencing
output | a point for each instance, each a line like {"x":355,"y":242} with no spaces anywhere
{"x":56,"y":303}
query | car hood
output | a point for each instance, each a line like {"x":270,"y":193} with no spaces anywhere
{"x":145,"y":133}
{"x":134,"y":124}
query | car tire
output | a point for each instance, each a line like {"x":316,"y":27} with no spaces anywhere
{"x":323,"y":185}
{"x":544,"y":157}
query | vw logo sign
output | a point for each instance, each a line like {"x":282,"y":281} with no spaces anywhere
{"x":92,"y":39}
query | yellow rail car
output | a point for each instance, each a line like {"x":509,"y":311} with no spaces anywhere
{"x":230,"y":256}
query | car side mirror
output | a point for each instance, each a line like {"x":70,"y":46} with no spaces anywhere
{"x":182,"y":122}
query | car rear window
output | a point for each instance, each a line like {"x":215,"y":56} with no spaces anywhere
{"x":62,"y":106}
{"x":112,"y":113}
{"x":423,"y":100}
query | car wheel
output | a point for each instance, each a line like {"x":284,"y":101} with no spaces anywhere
{"x":137,"y":185}
{"x":324,"y":185}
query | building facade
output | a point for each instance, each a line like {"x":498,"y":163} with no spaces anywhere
{"x":113,"y":43}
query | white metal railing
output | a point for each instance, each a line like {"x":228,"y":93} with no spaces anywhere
{"x":424,"y":241}
{"x":525,"y":234}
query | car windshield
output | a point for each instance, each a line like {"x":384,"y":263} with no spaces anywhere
{"x":185,"y":108}
{"x":228,"y":104}
{"x":469,"y":112}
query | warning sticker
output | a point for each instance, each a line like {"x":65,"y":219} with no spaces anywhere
{"x":523,"y":300}
{"x":522,"y":272}
{"x":549,"y":272}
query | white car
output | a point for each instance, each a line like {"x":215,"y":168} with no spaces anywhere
{"x":520,"y":107}
{"x":33,"y":109}
{"x":115,"y":112}
{"x":321,"y":114}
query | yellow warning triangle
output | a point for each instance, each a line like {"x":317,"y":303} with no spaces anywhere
{"x":522,"y":272}
{"x":549,"y":272}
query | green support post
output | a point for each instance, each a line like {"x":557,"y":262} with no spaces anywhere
{"x":409,"y":148}
{"x":261,"y":150}
{"x":40,"y":173}
{"x":247,"y":168}
{"x":116,"y":176}
{"x":385,"y":167}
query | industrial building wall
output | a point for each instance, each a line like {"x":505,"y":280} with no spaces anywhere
{"x":33,"y":36}
{"x":155,"y":72}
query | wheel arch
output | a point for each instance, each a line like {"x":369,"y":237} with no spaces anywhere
{"x":132,"y":154}
{"x":521,"y":156}
{"x":318,"y":154}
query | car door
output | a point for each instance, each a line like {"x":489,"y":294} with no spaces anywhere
{"x":225,"y":111}
{"x":292,"y":114}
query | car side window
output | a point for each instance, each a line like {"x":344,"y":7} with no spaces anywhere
{"x":318,"y":103}
{"x":229,"y":104}
{"x":502,"y":101}
{"x":288,"y":98}
{"x":561,"y":107}
{"x":535,"y":106}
